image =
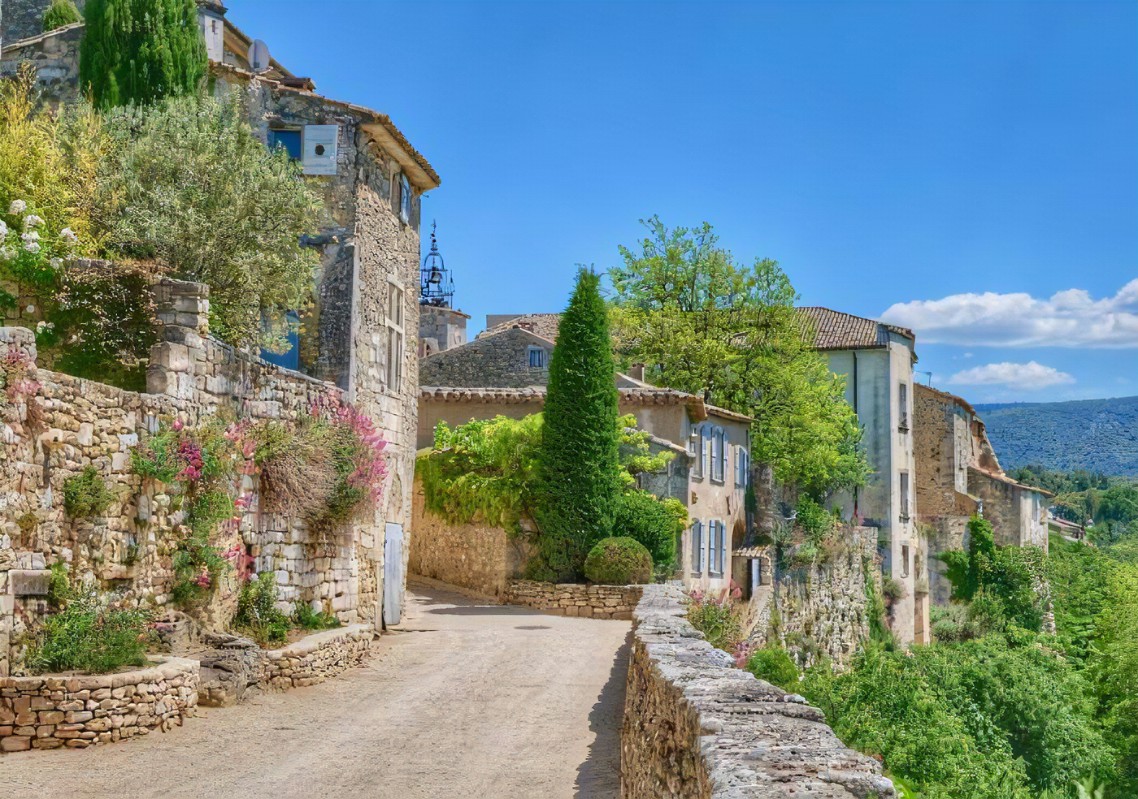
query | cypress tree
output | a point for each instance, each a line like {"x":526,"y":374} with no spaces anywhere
{"x":140,"y":51}
{"x":579,"y":460}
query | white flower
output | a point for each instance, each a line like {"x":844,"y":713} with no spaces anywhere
{"x":32,"y":246}
{"x":31,"y":221}
{"x":56,"y":263}
{"x":3,"y":229}
{"x":30,"y":236}
{"x":68,"y":235}
{"x":42,"y":326}
{"x":7,"y":253}
{"x":17,"y":207}
{"x":30,"y":309}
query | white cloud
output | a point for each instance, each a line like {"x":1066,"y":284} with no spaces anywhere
{"x":1030,"y":376}
{"x":1070,"y":318}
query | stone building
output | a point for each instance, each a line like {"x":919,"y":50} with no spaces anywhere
{"x":877,"y":362}
{"x":958,"y":475}
{"x":363,"y":318}
{"x":505,"y":371}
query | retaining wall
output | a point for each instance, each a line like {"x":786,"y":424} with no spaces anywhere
{"x":53,"y":711}
{"x":572,"y":599}
{"x":696,"y":727}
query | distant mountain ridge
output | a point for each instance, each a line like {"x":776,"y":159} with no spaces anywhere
{"x":1100,"y":435}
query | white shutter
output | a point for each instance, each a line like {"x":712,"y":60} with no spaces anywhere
{"x":319,"y":153}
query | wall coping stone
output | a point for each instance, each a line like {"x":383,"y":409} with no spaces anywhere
{"x":162,"y":667}
{"x":754,"y":739}
{"x":318,"y":640}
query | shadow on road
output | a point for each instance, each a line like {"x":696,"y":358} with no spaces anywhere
{"x":599,"y":776}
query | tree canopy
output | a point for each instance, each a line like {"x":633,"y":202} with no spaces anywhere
{"x":701,"y":322}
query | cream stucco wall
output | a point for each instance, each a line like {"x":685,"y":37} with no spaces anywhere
{"x":873,"y":388}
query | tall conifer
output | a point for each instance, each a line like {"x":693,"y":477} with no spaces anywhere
{"x":140,"y":51}
{"x":579,"y":460}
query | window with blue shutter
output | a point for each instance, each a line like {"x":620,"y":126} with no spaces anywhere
{"x":288,"y":140}
{"x":718,"y":454}
{"x":697,"y":547}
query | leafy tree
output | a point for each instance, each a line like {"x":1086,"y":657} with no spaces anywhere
{"x":702,"y":323}
{"x":191,"y":186}
{"x":61,"y":13}
{"x":140,"y":51}
{"x":655,"y":524}
{"x":579,"y":463}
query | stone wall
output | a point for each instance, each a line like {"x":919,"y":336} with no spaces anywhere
{"x":572,"y":599}
{"x":55,"y":56}
{"x":77,"y":712}
{"x":20,"y":19}
{"x":696,"y":727}
{"x":238,"y":668}
{"x":73,"y":423}
{"x":821,"y":609}
{"x":475,"y":556}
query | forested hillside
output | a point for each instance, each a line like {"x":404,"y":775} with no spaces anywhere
{"x":1096,"y":435}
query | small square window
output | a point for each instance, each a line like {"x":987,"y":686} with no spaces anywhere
{"x":538,"y":358}
{"x":291,"y":141}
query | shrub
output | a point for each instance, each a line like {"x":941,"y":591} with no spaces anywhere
{"x":892,"y":589}
{"x":61,"y":13}
{"x":358,"y":465}
{"x":579,"y":460}
{"x":190,"y":186}
{"x":257,"y":611}
{"x":619,"y":561}
{"x":88,"y":636}
{"x":718,"y":618}
{"x":816,"y":523}
{"x":773,"y":664}
{"x":654,"y":523}
{"x":86,"y":494}
{"x":140,"y":51}
{"x":58,"y":585}
{"x":307,"y":618}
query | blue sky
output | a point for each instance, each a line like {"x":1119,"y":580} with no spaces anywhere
{"x":969,"y":169}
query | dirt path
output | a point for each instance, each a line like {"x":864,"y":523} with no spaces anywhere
{"x":466,"y":700}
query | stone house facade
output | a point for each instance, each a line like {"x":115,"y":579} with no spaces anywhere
{"x":958,"y":475}
{"x":877,"y":362}
{"x":363,"y":320}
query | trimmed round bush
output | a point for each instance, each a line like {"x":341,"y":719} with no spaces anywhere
{"x":773,"y":664}
{"x":653,"y":523}
{"x":619,"y":561}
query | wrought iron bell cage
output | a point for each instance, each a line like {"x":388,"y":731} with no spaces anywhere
{"x":436,"y":287}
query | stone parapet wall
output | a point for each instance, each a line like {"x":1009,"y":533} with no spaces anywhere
{"x":572,"y":599}
{"x":54,"y":55}
{"x":49,"y":712}
{"x":695,"y":727}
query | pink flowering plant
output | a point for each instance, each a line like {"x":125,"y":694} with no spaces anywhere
{"x":718,"y":615}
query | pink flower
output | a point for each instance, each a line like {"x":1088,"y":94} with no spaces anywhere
{"x":177,"y":426}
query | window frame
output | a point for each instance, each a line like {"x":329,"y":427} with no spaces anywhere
{"x":405,"y":195}
{"x":700,"y":470}
{"x":905,"y":487}
{"x":274,"y":145}
{"x":717,"y":546}
{"x":903,"y":407}
{"x":396,"y":334}
{"x":540,"y":351}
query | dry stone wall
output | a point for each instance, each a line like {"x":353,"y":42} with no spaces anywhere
{"x":695,"y":727}
{"x":238,"y":668}
{"x":82,"y":711}
{"x":572,"y":599}
{"x":71,"y":423}
{"x":822,"y":608}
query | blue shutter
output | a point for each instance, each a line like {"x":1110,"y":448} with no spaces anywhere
{"x":697,"y":547}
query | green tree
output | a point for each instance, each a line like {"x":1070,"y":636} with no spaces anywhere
{"x":703,"y":324}
{"x":140,"y":51}
{"x":579,"y":464}
{"x":192,"y":187}
{"x":61,"y":13}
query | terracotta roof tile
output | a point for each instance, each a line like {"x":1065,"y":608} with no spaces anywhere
{"x":834,"y":330}
{"x":543,"y":324}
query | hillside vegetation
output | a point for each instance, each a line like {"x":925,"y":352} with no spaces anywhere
{"x":1096,"y":435}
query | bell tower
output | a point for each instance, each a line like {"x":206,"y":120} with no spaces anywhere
{"x":441,"y":326}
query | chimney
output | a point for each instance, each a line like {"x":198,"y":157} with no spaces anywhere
{"x":636,"y":372}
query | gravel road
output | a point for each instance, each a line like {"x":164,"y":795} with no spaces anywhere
{"x":463,"y":700}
